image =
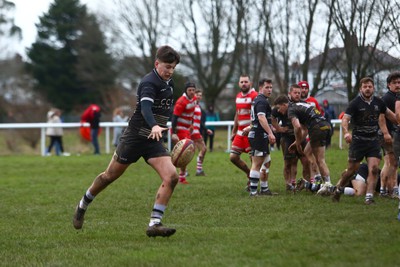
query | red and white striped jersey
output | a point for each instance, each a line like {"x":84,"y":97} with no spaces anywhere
{"x":196,"y":120}
{"x":243,"y":109}
{"x":184,"y":109}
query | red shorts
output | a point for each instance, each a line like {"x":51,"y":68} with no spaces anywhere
{"x":182,"y":134}
{"x":196,"y":136}
{"x":240,"y":144}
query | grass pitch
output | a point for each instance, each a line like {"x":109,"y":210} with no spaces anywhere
{"x":217,"y":223}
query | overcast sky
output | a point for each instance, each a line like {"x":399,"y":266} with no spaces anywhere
{"x":27,"y":13}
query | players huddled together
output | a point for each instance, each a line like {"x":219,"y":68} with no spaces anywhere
{"x":304,"y":130}
{"x":298,"y":119}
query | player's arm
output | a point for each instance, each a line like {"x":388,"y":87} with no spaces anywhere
{"x":264,"y":123}
{"x":298,"y":133}
{"x":174,"y":122}
{"x":345,"y":128}
{"x":383,"y":127}
{"x":391,"y":116}
{"x":235,"y":124}
{"x":178,"y":109}
{"x":297,"y":129}
{"x":278,"y":128}
{"x":397,"y":112}
{"x":147,"y":113}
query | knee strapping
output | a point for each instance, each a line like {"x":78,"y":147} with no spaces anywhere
{"x":263,"y":167}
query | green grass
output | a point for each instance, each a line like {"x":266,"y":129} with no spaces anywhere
{"x":217,"y":223}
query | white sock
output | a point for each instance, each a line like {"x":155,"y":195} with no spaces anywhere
{"x":264,"y":184}
{"x":348,"y":191}
{"x":154,"y":221}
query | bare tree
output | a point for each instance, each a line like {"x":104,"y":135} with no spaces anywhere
{"x":213,"y":41}
{"x":394,"y":18}
{"x":253,"y":59}
{"x":141,"y":26}
{"x":308,"y":20}
{"x":276,"y":17}
{"x":318,"y":76}
{"x":362,"y":25}
{"x":219,"y":39}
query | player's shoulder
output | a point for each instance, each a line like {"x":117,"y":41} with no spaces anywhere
{"x":149,"y":78}
{"x":355,"y":100}
{"x":253,"y":93}
{"x":181,"y":101}
{"x":378,"y":100}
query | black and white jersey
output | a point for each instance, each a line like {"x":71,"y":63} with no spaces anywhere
{"x":365,"y":117}
{"x":306,"y":113}
{"x":260,"y":106}
{"x":389,"y":98}
{"x":152,"y":88}
{"x":283,"y":120}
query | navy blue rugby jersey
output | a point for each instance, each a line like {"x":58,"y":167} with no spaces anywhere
{"x":260,"y":105}
{"x":284,"y":121}
{"x":306,"y":113}
{"x":365,"y":117}
{"x":389,"y":98}
{"x":160,"y":92}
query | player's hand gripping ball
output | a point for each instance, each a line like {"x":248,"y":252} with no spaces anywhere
{"x":182,"y":153}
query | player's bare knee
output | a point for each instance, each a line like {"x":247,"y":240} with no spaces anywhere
{"x":234,"y":158}
{"x":172,"y":180}
{"x":375,"y":170}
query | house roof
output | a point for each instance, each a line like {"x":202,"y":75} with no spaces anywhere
{"x":336,"y":58}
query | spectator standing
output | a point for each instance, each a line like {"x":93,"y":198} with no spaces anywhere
{"x":94,"y":131}
{"x":92,"y":115}
{"x":55,"y":133}
{"x":329,"y":111}
{"x":118,"y":116}
{"x":211,"y":116}
{"x":329,"y":114}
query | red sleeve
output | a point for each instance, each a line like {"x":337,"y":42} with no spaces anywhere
{"x":179,"y":107}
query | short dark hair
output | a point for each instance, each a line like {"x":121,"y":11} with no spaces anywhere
{"x":295,"y":85}
{"x":393,"y":76}
{"x":167,"y":54}
{"x":245,"y":75}
{"x":265,"y":80}
{"x":366,"y":80}
{"x":282,"y":99}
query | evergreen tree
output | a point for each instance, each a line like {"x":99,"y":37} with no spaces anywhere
{"x":95,"y":66}
{"x":69,"y":59}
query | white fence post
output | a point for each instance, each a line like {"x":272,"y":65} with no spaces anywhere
{"x":43,"y":141}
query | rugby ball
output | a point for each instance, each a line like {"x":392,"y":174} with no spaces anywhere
{"x":182,"y":153}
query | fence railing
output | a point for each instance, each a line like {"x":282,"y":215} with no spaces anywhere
{"x":108,"y":125}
